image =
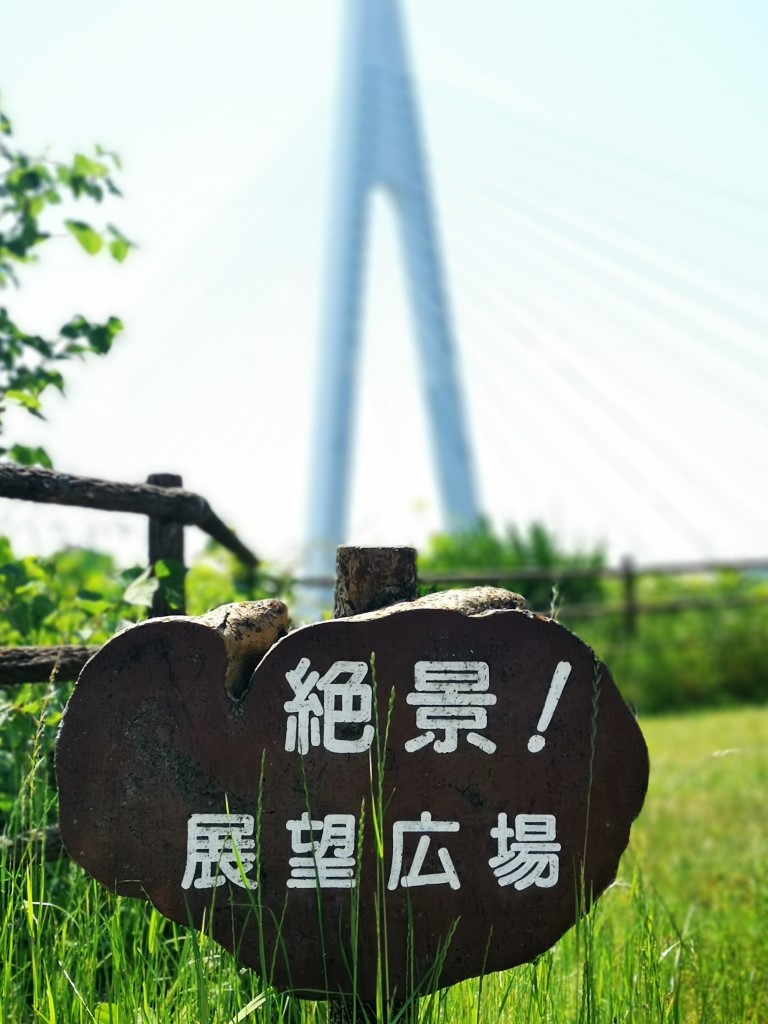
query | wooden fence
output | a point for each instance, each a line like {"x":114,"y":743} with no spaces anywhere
{"x":169,"y":509}
{"x":628,"y":607}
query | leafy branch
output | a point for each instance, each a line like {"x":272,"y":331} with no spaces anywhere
{"x":29,"y":187}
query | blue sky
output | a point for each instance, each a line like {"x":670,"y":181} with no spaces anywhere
{"x":600,"y":175}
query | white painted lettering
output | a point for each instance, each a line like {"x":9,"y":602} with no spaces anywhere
{"x":347,"y":701}
{"x":327,"y":862}
{"x":450,"y":696}
{"x":533,"y":858}
{"x":414,"y":877}
{"x":215,"y":844}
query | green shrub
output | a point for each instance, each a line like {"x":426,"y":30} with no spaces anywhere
{"x":710,"y":655}
{"x":482,"y":551}
{"x":706,"y":656}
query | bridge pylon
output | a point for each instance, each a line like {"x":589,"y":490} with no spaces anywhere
{"x":380,"y":146}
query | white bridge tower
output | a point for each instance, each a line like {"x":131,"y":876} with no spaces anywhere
{"x":379,"y":145}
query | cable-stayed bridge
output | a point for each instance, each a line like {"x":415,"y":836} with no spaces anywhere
{"x":603,"y":220}
{"x":581,"y":228}
{"x":380,"y":146}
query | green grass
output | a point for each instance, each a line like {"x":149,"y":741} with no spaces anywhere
{"x":697,"y":658}
{"x":680,"y":937}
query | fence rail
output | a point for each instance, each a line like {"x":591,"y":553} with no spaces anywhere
{"x":627,"y":566}
{"x":20,"y":665}
{"x":39,"y":664}
{"x":169,"y":509}
{"x":169,"y":503}
{"x":492,"y":577}
{"x":627,"y":572}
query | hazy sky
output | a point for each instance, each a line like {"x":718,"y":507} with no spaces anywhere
{"x":600,"y":174}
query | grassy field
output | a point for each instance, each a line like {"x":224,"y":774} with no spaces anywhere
{"x":682,"y":936}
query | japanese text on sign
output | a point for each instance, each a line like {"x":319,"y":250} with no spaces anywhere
{"x":449,"y":696}
{"x":220,"y":849}
{"x":345,"y":700}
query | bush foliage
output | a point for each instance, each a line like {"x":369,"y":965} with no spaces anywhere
{"x":707,"y":654}
{"x":483,"y":551}
{"x":31,"y":189}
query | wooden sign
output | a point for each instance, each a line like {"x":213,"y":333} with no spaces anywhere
{"x":464,"y":783}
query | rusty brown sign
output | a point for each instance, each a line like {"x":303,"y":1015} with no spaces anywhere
{"x":467,"y":782}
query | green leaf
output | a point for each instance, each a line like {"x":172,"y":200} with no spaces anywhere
{"x":5,"y":125}
{"x":101,"y":336}
{"x":119,"y":248}
{"x":76,"y":327}
{"x":100,"y":151}
{"x":88,"y":168}
{"x":92,"y":604}
{"x":170,"y":577}
{"x":29,"y":179}
{"x":30,"y":402}
{"x":88,"y":238}
{"x":107,"y":1013}
{"x":41,"y":608}
{"x":141,"y":590}
{"x":25,"y":456}
{"x":74,"y":350}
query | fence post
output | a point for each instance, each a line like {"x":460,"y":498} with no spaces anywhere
{"x":367,"y":579}
{"x":371,"y":578}
{"x":630,"y":603}
{"x":166,"y":541}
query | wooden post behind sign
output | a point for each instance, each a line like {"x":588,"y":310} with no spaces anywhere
{"x":368,"y":579}
{"x":166,"y":541}
{"x":630,"y":601}
{"x":371,"y":578}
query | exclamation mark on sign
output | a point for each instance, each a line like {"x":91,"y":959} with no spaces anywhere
{"x":559,"y":679}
